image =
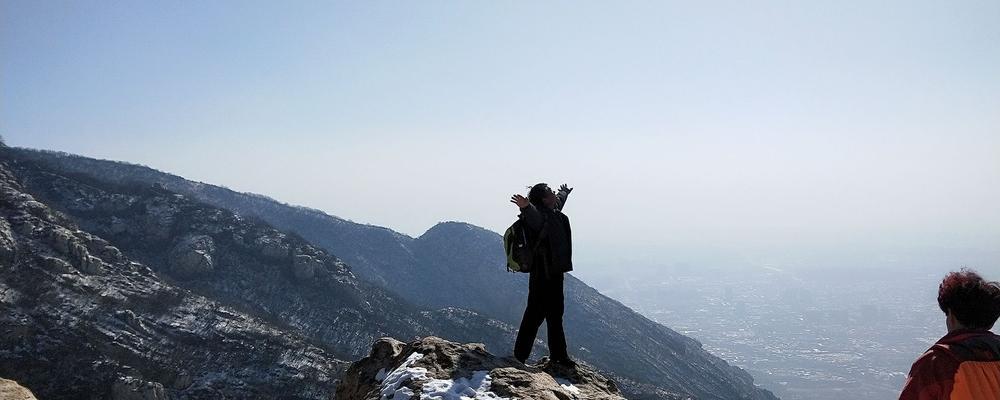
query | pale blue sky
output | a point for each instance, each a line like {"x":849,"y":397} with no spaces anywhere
{"x":686,"y":127}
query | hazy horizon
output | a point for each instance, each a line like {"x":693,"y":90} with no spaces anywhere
{"x":772,"y":134}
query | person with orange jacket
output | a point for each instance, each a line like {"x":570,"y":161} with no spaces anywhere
{"x":965,"y":363}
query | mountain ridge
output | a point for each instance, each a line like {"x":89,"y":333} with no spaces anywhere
{"x":653,"y":360}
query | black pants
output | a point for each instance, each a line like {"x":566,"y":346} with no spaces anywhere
{"x":545,"y":302}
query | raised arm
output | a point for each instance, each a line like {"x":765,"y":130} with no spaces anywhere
{"x":563,"y":195}
{"x":529,"y":214}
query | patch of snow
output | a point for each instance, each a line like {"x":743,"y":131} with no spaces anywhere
{"x":403,"y":393}
{"x":476,"y":388}
{"x":568,"y":386}
{"x":294,"y":359}
{"x":405,"y":372}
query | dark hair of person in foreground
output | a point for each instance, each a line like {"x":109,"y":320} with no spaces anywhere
{"x":974,"y":301}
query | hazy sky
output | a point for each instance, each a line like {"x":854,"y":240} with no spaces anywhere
{"x":686,"y":127}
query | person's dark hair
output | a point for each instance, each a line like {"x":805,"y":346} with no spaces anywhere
{"x":974,"y":301}
{"x":537,"y":193}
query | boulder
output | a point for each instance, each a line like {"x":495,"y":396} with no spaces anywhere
{"x":192,"y":256}
{"x":112,"y":254}
{"x":436,"y":368}
{"x":10,"y":390}
{"x":130,"y":319}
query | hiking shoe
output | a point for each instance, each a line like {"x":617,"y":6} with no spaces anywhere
{"x":565,"y":362}
{"x":518,"y":360}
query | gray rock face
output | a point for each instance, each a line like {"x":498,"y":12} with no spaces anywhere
{"x":272,"y":245}
{"x":24,"y":225}
{"x":92,"y":265}
{"x":61,"y":239}
{"x":68,"y":243}
{"x":304,"y":267}
{"x":192,"y":256}
{"x":436,"y":367}
{"x":54,"y":264}
{"x":8,"y":249}
{"x":78,"y":320}
{"x":10,"y":390}
{"x":159,"y":219}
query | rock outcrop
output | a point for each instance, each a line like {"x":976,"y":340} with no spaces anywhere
{"x":7,"y":247}
{"x":436,"y":368}
{"x":10,"y":390}
{"x":192,"y":256}
{"x":304,"y":267}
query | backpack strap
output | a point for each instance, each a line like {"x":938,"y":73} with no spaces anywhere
{"x":541,"y":235}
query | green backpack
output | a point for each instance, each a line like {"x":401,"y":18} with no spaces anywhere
{"x":515,"y":245}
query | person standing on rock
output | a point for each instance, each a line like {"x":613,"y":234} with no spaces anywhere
{"x":541,"y":213}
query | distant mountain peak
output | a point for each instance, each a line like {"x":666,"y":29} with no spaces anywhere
{"x":457,"y":230}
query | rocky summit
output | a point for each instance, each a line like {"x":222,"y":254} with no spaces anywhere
{"x":434,"y":368}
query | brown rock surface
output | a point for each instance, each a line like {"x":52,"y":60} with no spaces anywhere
{"x":10,"y":390}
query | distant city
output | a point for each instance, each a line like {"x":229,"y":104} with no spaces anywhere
{"x":805,"y":335}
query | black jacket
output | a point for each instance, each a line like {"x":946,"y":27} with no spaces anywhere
{"x":555,"y":251}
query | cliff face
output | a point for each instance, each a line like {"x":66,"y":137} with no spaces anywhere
{"x":454,"y":269}
{"x":435,"y":368}
{"x":81,"y":319}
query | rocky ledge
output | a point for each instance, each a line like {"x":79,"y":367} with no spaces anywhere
{"x":434,"y":368}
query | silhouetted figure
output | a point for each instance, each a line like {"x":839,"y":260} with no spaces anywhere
{"x":542,"y":215}
{"x":965,"y":363}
